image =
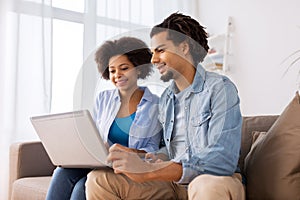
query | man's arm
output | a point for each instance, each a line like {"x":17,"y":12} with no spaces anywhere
{"x":164,"y":171}
{"x":138,"y":170}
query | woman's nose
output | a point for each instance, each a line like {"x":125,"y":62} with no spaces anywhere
{"x":118,"y":73}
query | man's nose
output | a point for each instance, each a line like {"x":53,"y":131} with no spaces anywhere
{"x":154,"y":58}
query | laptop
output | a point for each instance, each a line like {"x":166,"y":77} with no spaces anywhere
{"x":71,"y":139}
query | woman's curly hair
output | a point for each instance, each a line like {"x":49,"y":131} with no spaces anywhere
{"x":135,"y":49}
{"x":184,"y":28}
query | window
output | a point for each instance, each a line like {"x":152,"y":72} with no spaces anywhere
{"x":76,"y":28}
{"x":67,"y":61}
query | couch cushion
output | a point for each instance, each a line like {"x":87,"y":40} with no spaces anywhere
{"x":30,"y":188}
{"x":257,"y":136}
{"x":272,"y":166}
{"x":250,"y":124}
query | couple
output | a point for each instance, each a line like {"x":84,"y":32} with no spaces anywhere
{"x":198,"y":115}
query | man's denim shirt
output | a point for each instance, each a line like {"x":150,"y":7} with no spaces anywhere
{"x":145,"y":131}
{"x":213,"y":126}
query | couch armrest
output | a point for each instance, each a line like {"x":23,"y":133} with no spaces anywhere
{"x":28,"y":159}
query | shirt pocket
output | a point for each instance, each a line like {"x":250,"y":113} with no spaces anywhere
{"x":198,"y":131}
{"x":142,"y":121}
{"x":200,"y":119}
{"x":142,"y":129}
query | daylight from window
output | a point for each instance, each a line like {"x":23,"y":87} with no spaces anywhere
{"x":75,"y":37}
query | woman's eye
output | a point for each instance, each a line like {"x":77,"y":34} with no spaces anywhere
{"x":125,"y":68}
{"x":112,"y":71}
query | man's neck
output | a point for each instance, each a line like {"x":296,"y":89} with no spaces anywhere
{"x":185,"y":79}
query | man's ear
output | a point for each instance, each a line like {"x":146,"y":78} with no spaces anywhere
{"x":185,"y":47}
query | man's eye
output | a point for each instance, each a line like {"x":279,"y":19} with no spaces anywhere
{"x":160,"y":50}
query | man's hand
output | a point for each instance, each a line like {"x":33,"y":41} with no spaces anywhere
{"x":139,"y":170}
{"x":123,"y":148}
{"x":125,"y":161}
{"x":156,"y":158}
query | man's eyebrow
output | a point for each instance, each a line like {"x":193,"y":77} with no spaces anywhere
{"x":159,"y":46}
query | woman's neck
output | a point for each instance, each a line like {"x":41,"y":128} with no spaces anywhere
{"x":129,"y":94}
{"x":129,"y":102}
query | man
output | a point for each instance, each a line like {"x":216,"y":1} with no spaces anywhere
{"x":201,"y":121}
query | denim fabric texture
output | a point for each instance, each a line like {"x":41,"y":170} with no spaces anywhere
{"x":145,"y":131}
{"x":68,"y":184}
{"x":145,"y":134}
{"x":213,"y":126}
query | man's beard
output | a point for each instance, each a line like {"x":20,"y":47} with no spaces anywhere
{"x":167,"y":76}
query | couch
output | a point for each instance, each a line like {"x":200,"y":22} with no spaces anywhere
{"x":31,"y":168}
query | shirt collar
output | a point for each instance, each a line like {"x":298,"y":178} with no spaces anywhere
{"x":147,"y":96}
{"x":198,"y":82}
{"x":199,"y":79}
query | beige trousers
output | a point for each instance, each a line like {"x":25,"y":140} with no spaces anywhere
{"x":211,"y":187}
{"x":105,"y":184}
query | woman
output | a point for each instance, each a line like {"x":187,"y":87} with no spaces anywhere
{"x":125,"y":116}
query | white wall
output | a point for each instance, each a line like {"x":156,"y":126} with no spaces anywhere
{"x":265,"y":33}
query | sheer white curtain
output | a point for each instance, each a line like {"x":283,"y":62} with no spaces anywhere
{"x":162,"y":9}
{"x":32,"y":69}
{"x":25,"y":83}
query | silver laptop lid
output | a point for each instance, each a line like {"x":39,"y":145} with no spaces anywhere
{"x":71,"y":139}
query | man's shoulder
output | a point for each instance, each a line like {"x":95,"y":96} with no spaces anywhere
{"x":216,"y":80}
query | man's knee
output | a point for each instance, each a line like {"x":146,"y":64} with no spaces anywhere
{"x":203,"y":182}
{"x":91,"y":180}
{"x":94,"y":178}
{"x":215,"y":187}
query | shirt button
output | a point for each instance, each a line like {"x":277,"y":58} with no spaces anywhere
{"x":185,"y":107}
{"x":172,"y":121}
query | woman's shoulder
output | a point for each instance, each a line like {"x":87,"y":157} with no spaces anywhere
{"x":106,"y":94}
{"x":149,"y":95}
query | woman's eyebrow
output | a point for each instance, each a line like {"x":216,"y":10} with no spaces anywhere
{"x":120,"y":65}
